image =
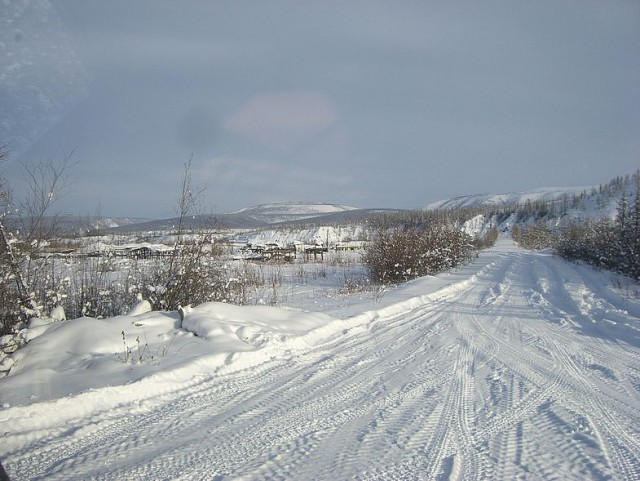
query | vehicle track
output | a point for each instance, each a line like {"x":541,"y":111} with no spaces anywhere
{"x":496,"y":377}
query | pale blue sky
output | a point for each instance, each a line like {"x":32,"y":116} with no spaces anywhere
{"x":365,"y":103}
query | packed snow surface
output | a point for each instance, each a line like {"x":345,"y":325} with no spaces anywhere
{"x":518,"y":366}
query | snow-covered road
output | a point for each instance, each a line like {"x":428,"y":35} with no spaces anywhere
{"x":526,"y":368}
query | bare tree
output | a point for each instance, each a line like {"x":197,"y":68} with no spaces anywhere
{"x":189,"y":277}
{"x":46,"y":182}
{"x":9,"y":261}
{"x":186,"y":206}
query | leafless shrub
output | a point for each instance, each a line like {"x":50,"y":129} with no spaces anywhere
{"x":320,"y":271}
{"x":355,"y":284}
{"x":535,"y":237}
{"x":487,"y":240}
{"x":23,"y":274}
{"x":398,"y":255}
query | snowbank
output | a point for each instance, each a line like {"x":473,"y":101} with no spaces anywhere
{"x":67,"y":357}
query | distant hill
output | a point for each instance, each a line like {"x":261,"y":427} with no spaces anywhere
{"x":274,"y":219}
{"x":75,"y":224}
{"x":562,"y":203}
{"x":475,"y":200}
{"x":256,"y":217}
{"x":278,"y":212}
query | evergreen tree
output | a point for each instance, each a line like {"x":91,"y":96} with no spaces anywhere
{"x":611,"y":245}
{"x":622,"y":217}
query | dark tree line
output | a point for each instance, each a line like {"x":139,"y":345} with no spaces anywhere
{"x":613,"y":245}
{"x":605,"y":243}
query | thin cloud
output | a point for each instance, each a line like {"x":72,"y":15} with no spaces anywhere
{"x":283,"y":120}
{"x":361,"y":102}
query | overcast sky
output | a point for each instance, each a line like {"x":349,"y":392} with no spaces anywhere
{"x":364,"y":103}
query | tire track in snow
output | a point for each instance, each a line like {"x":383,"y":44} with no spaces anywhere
{"x":482,"y":382}
{"x":515,"y":404}
{"x":619,"y":445}
{"x":601,"y":419}
{"x":124,"y":424}
{"x":269,"y":402}
{"x":513,"y":415}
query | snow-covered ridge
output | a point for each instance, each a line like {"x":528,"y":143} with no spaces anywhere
{"x":475,"y":200}
{"x":286,"y":211}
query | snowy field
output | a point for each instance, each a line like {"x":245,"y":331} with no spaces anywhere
{"x":517,"y":366}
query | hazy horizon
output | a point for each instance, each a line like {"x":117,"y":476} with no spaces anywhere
{"x":367,"y":104}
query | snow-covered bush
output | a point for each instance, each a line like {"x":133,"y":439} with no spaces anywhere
{"x":602,"y":244}
{"x":487,"y":240}
{"x":398,"y":255}
{"x":610,"y":245}
{"x":537,"y":236}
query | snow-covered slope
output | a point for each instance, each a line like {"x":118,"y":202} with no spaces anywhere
{"x":259,"y":216}
{"x":326,"y":235}
{"x":474,"y":200}
{"x":289,"y":211}
{"x":557,"y":206}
